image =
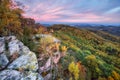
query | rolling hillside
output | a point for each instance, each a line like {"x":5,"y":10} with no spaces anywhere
{"x":98,"y":51}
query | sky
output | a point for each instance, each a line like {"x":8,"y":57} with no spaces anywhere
{"x":72,"y":11}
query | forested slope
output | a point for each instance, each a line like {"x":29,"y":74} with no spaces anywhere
{"x":100,"y":55}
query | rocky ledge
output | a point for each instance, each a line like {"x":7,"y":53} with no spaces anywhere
{"x":17,"y":62}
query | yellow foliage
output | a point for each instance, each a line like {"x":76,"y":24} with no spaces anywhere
{"x":64,"y":48}
{"x":45,"y":42}
{"x":70,"y":78}
{"x":73,"y":68}
{"x":91,"y":60}
{"x":91,"y":57}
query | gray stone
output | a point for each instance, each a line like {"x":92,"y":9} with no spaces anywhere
{"x":13,"y":47}
{"x":31,"y":76}
{"x":16,"y":75}
{"x":27,"y":61}
{"x":2,"y":45}
{"x":3,"y":60}
{"x":25,"y":50}
{"x":10,"y":75}
{"x":40,"y":77}
{"x":11,"y":38}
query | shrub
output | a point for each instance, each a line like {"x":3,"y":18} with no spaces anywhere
{"x":44,"y":42}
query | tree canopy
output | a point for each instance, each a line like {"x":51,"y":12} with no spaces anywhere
{"x":9,"y":18}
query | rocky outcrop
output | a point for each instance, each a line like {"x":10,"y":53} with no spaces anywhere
{"x":46,"y":35}
{"x":17,"y":62}
{"x":48,"y":66}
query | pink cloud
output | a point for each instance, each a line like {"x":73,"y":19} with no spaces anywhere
{"x":54,"y":10}
{"x":45,"y":17}
{"x":86,"y":17}
{"x":48,"y":17}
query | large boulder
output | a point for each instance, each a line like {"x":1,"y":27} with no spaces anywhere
{"x":23,"y":67}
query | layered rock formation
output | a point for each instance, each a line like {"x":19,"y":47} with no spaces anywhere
{"x":17,"y":62}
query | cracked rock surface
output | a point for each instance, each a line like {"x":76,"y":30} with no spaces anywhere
{"x":17,"y":62}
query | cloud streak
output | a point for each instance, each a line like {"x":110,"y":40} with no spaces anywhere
{"x":73,"y":10}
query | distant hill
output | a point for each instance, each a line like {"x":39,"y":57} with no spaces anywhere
{"x":112,"y":29}
{"x":115,"y":30}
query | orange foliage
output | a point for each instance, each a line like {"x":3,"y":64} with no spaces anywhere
{"x":115,"y":75}
{"x":82,"y":70}
{"x":110,"y":78}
